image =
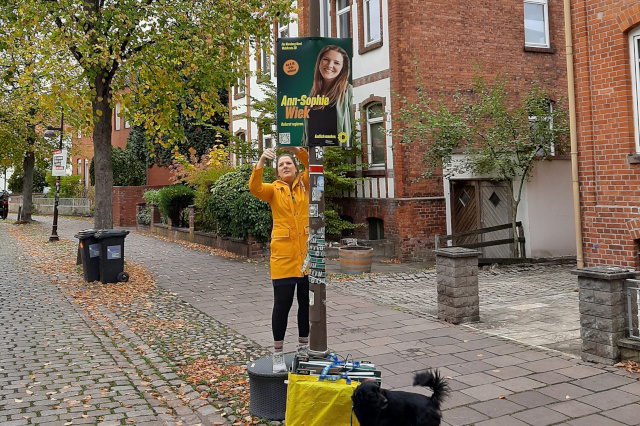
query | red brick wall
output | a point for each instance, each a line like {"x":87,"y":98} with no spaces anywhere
{"x":158,"y":176}
{"x":124,"y":204}
{"x":125,"y":199}
{"x":608,"y":182}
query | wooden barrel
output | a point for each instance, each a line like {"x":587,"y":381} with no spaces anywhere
{"x":355,"y":260}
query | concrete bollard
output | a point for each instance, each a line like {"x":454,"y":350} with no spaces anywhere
{"x":457,"y":284}
{"x":603,"y":299}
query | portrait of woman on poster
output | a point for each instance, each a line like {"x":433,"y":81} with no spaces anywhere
{"x":331,"y":80}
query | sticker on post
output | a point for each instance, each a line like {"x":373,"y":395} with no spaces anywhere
{"x":311,"y":298}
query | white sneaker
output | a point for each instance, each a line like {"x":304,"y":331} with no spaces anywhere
{"x":303,"y":351}
{"x":279,"y":365}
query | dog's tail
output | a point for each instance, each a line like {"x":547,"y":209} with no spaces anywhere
{"x":433,"y":380}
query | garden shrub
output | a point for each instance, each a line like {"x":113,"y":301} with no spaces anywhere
{"x":70,"y":186}
{"x":151,"y":198}
{"x":172,"y":200}
{"x":143,"y":217}
{"x":234,"y":211}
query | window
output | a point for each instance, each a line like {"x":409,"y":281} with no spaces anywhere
{"x":79,"y":165}
{"x":242,"y":153}
{"x":283,"y":28}
{"x":87,"y":179}
{"x":541,"y":126}
{"x":267,"y":142}
{"x":634,"y":49}
{"x":116,"y":116}
{"x":343,"y":19}
{"x":265,"y":62}
{"x":79,"y":134}
{"x":536,"y":23}
{"x":346,"y":233}
{"x":325,"y":19}
{"x":375,"y":135}
{"x":371,"y":21}
{"x":239,"y":87}
{"x":127,"y":123}
{"x":376,"y":228}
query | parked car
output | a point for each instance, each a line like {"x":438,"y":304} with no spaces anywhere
{"x":4,"y":204}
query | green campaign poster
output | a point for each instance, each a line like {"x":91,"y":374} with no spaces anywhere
{"x":315,"y":96}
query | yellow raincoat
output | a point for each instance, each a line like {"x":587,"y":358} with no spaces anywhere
{"x":290,"y":213}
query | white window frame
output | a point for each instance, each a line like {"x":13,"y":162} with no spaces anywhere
{"x":339,"y":12}
{"x":367,"y":18}
{"x":325,"y":18}
{"x":634,"y":54}
{"x":79,"y":165}
{"x":283,"y":30}
{"x":545,"y":7}
{"x":371,"y":121}
{"x":116,"y":117}
{"x":127,"y":123}
{"x":265,"y":62}
{"x":87,"y":179}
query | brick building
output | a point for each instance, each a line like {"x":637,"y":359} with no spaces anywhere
{"x":523,"y":39}
{"x":606,"y":45}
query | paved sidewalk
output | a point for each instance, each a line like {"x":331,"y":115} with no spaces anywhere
{"x":60,"y":367}
{"x":387,"y":320}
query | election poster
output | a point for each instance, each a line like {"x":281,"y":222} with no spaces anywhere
{"x":315,"y":95}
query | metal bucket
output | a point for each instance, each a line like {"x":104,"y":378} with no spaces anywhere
{"x":355,"y":260}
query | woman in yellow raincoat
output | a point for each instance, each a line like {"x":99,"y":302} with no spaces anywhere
{"x":288,"y":198}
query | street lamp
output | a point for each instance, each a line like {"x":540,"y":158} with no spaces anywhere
{"x":50,"y":133}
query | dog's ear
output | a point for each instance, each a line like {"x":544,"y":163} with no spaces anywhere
{"x":379,"y":399}
{"x":384,"y":402}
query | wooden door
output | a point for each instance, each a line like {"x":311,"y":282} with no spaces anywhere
{"x":464,"y":210}
{"x":495,"y":209}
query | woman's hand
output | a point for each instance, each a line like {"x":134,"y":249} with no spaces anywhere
{"x":268,"y":154}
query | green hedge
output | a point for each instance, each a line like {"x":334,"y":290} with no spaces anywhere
{"x":232,"y":211}
{"x":172,"y":200}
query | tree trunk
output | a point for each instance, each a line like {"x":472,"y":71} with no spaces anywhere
{"x":102,"y":213}
{"x":28,"y":164}
{"x":514,"y":230}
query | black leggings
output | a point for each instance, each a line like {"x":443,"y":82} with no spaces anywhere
{"x":282,"y":302}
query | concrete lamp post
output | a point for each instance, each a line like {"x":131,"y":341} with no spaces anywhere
{"x":50,"y":133}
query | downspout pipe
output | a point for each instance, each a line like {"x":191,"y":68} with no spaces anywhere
{"x":574,"y":137}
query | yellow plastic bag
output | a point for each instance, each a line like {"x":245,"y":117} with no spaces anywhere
{"x":314,"y":403}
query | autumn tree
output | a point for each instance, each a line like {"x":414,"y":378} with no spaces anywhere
{"x":148,"y":55}
{"x":499,"y":133}
{"x":27,"y":102}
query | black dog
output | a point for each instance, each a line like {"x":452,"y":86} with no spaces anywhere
{"x":379,"y":407}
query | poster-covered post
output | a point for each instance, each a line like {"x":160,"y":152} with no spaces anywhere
{"x":314,"y":110}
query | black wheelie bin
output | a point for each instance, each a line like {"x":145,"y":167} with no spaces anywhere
{"x":112,"y":256}
{"x":89,"y":254}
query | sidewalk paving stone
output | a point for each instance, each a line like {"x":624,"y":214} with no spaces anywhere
{"x":540,"y":416}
